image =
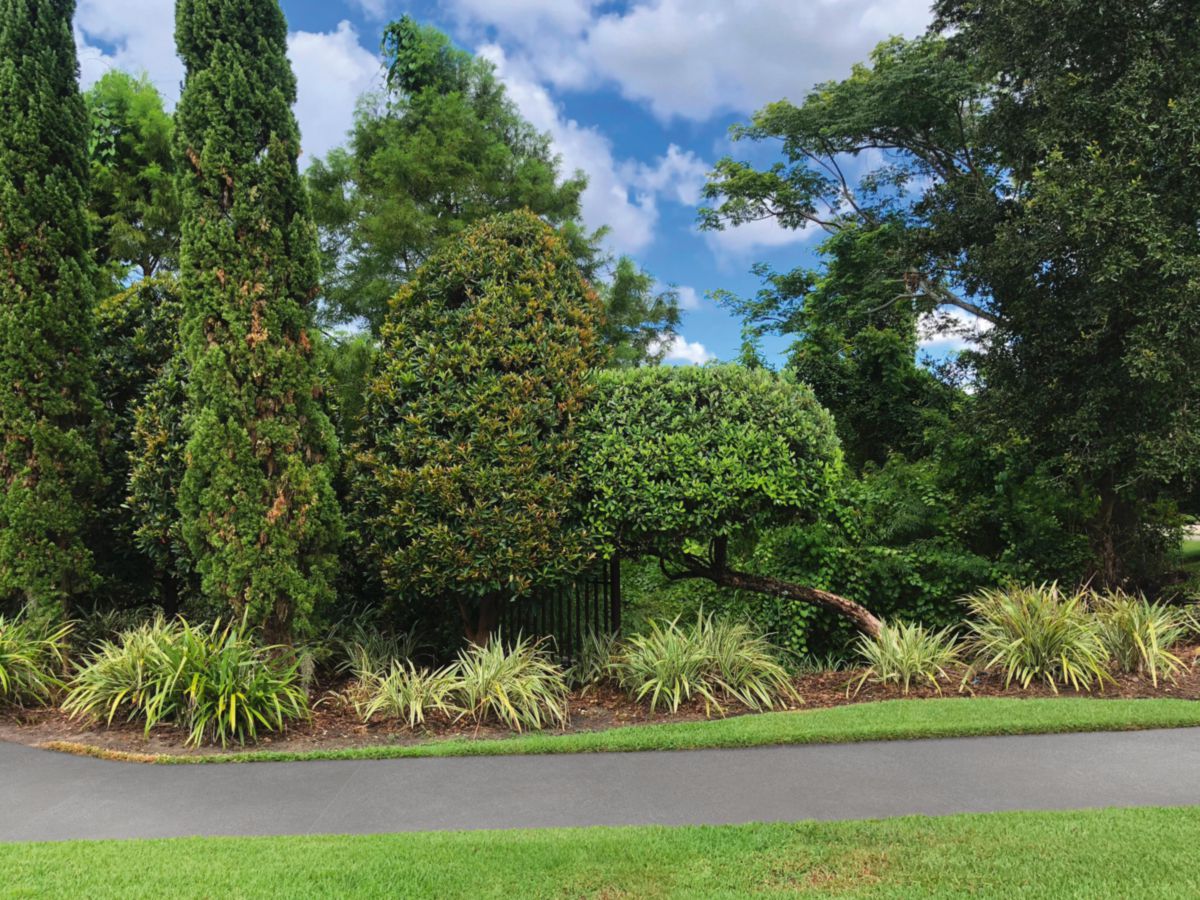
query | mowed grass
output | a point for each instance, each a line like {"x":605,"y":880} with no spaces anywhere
{"x":1191,"y":554}
{"x":1106,"y":853}
{"x":887,"y":720}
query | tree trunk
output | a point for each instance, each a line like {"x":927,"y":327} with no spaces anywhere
{"x":718,"y":573}
{"x":861,"y":617}
{"x":479,"y":624}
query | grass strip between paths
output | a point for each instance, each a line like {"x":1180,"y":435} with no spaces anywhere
{"x":880,"y":721}
{"x":1102,"y":853}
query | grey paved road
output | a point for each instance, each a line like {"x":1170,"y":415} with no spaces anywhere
{"x":48,"y":796}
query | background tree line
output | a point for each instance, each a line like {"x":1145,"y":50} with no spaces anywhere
{"x":240,"y":388}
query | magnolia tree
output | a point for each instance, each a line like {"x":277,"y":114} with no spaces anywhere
{"x":681,"y":464}
{"x":467,"y":467}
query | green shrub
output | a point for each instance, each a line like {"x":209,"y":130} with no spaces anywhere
{"x":409,"y":693}
{"x":216,"y":683}
{"x":1037,"y":633}
{"x":31,"y":660}
{"x":712,"y":660}
{"x":1138,"y":635}
{"x":467,"y":467}
{"x":906,"y":652}
{"x":517,"y":685}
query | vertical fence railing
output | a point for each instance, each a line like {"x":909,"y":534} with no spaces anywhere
{"x":566,"y":613}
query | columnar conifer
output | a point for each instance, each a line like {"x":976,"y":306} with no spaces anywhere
{"x":258,"y":511}
{"x":48,"y":460}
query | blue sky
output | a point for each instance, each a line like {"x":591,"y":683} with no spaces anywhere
{"x":639,"y":95}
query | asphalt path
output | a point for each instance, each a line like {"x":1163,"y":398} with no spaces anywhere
{"x":52,"y":796}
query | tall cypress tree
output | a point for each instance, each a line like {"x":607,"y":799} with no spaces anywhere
{"x":49,"y":465}
{"x":258,"y":511}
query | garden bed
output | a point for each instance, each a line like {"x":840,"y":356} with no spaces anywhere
{"x":335,"y":726}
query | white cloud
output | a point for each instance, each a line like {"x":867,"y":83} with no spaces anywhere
{"x":141,"y":36}
{"x":688,"y":297}
{"x":697,"y":58}
{"x":679,"y":174}
{"x":741,"y":242}
{"x":622,"y":195}
{"x":949,"y":329}
{"x":681,"y":350}
{"x":332,"y":70}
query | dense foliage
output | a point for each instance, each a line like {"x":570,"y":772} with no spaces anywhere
{"x":1015,"y":199}
{"x":675,"y":459}
{"x":441,"y":149}
{"x":135,"y":208}
{"x":468,"y":463}
{"x":137,"y":354}
{"x":258,"y":511}
{"x":49,"y":463}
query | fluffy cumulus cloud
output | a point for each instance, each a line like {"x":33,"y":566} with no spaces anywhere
{"x":689,"y":298}
{"x":135,"y":35}
{"x":621,"y":194}
{"x":681,"y":351}
{"x":138,"y":36}
{"x":332,"y":71}
{"x":696,"y":58}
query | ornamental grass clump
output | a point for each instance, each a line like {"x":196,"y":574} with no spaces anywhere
{"x":744,"y":664}
{"x":410,"y":693}
{"x":1138,"y":635}
{"x":31,"y":661}
{"x":905,"y":652}
{"x":517,"y":685}
{"x":216,"y":683}
{"x":594,"y":662}
{"x":1036,"y":633}
{"x":711,"y":660}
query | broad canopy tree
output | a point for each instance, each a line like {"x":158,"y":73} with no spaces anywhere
{"x":1016,"y":187}
{"x":49,"y":461}
{"x":257,"y":506}
{"x":468,"y":463}
{"x":441,"y":148}
{"x":135,"y":207}
{"x":691,"y":465}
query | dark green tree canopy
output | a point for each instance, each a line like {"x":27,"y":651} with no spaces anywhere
{"x":257,"y":507}
{"x":1095,"y":262}
{"x":441,"y":148}
{"x":135,"y":199}
{"x":49,"y":466}
{"x":468,"y":463}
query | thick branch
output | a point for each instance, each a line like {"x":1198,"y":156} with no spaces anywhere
{"x":861,"y":617}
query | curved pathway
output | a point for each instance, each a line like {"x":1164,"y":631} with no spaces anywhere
{"x":50,"y":796}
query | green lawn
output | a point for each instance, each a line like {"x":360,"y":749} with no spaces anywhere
{"x":1108,"y":853}
{"x":889,"y":720}
{"x":1191,"y":554}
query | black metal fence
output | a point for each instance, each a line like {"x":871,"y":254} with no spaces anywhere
{"x":567,"y":613}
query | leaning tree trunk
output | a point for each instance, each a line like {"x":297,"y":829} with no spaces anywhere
{"x":716,"y":570}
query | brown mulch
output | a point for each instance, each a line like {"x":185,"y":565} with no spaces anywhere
{"x":335,"y":725}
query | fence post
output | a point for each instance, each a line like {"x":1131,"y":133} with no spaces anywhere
{"x":614,"y":592}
